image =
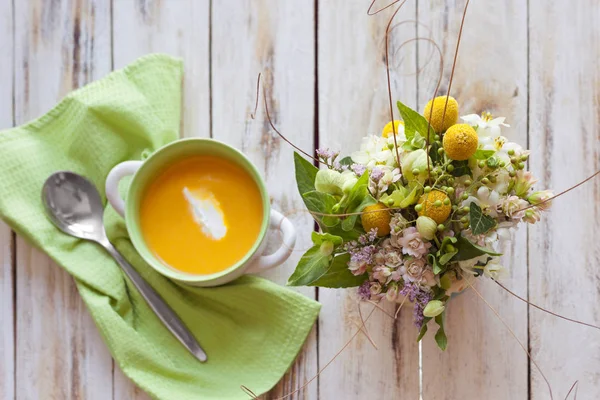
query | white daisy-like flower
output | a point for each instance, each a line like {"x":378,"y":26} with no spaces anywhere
{"x":486,"y":125}
{"x":374,"y":150}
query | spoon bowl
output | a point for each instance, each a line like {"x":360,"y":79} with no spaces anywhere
{"x":74,"y":205}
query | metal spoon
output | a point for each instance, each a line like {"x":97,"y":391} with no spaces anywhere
{"x":74,"y":206}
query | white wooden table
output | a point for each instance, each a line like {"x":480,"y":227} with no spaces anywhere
{"x":535,"y":62}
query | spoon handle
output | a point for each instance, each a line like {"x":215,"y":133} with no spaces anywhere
{"x":158,"y":305}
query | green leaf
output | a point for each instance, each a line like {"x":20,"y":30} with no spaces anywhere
{"x":412,"y":197}
{"x":346,"y":161}
{"x":445,"y":258}
{"x":413,"y":122}
{"x":446,"y":280}
{"x":437,"y":267}
{"x":480,"y":222}
{"x":447,"y":240}
{"x":461,"y":168}
{"x":358,"y":198}
{"x":339,"y":276}
{"x":408,"y":146}
{"x":349,"y":235}
{"x":483,"y":154}
{"x":305,"y":174}
{"x":319,"y":238}
{"x":440,"y":336}
{"x":434,"y":155}
{"x":397,"y":196}
{"x":358,"y":191}
{"x":444,"y":254}
{"x":423,"y":329}
{"x":468,"y":250}
{"x":321,"y":203}
{"x":312,"y":266}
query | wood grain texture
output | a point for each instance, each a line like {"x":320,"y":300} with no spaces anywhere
{"x":180,"y":29}
{"x":7,"y":321}
{"x":483,"y":360}
{"x":276,"y":38}
{"x":59,"y":45}
{"x":7,"y":318}
{"x":353,"y":102}
{"x":564,"y":255}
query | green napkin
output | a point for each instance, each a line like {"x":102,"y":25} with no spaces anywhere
{"x":252,"y":329}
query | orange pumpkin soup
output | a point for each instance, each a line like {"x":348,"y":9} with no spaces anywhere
{"x":201,"y":215}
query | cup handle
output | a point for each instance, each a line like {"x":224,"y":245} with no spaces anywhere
{"x":289,"y":240}
{"x":115,"y":175}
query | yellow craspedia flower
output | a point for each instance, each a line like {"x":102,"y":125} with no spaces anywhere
{"x":460,"y":142}
{"x":388,"y":129}
{"x":437,"y":115}
{"x":371,"y":218}
{"x":435,"y":205}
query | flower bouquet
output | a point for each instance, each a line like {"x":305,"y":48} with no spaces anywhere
{"x":419,"y":212}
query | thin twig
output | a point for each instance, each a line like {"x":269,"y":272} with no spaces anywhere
{"x":253,"y":116}
{"x":543,"y":309}
{"x":400,"y":307}
{"x":514,"y":336}
{"x":561,"y":193}
{"x":389,"y":83}
{"x":248,"y":391}
{"x":381,"y":9}
{"x":363,"y":327}
{"x":462,"y":23}
{"x":575,"y":386}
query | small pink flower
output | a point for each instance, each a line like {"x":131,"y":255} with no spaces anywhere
{"x":413,"y":270}
{"x":392,"y":293}
{"x":428,"y":278}
{"x":357,"y":268}
{"x":381,"y":273}
{"x":532,"y":215}
{"x":396,"y":275}
{"x":512,"y":207}
{"x":412,"y":243}
{"x":375,"y":288}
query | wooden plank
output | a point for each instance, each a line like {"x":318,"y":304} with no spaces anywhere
{"x":276,"y":38}
{"x":564,"y":117}
{"x":483,"y":360}
{"x":59,"y":45}
{"x":7,"y":321}
{"x":181,"y":29}
{"x":353,"y":102}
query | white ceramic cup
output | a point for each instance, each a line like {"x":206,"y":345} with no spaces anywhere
{"x":145,"y":171}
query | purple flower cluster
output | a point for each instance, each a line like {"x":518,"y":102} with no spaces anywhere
{"x":326,"y":153}
{"x":376,"y":174}
{"x":361,"y":252}
{"x":364,"y":290}
{"x":358,"y":169}
{"x":419,"y":297}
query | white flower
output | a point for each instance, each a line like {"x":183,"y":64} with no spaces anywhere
{"x":502,"y":146}
{"x":374,"y":150}
{"x":494,"y":270}
{"x":485,"y":198}
{"x":383,"y":179}
{"x":486,"y":126}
